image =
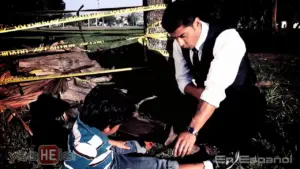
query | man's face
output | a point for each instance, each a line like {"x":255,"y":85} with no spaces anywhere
{"x":187,"y":37}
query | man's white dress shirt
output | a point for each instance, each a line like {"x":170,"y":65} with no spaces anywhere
{"x":228,"y":52}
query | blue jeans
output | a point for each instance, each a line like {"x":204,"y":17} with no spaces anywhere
{"x":123,"y":160}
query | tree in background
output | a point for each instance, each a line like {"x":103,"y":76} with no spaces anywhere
{"x":288,"y":10}
{"x":244,"y":14}
{"x":252,"y":15}
{"x":119,"y":21}
{"x":14,"y":12}
{"x":110,"y":20}
{"x":133,"y":18}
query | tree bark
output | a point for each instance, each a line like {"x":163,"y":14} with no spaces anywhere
{"x":151,"y":17}
{"x":275,"y":27}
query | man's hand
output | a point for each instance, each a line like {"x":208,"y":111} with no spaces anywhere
{"x":187,"y":140}
{"x":184,"y":144}
{"x":119,"y":144}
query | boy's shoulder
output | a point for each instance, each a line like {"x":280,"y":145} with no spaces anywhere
{"x":85,"y":133}
{"x":87,"y":139}
{"x":87,"y":144}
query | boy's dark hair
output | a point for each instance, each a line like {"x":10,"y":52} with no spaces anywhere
{"x":106,"y":106}
{"x":178,"y":13}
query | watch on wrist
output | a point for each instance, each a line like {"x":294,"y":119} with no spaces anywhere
{"x":192,"y":130}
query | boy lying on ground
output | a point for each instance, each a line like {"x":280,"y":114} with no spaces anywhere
{"x":104,"y":110}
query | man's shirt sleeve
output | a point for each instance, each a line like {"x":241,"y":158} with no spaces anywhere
{"x":228,"y":52}
{"x":182,"y":72}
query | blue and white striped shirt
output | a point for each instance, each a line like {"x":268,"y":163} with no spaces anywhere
{"x":89,"y":147}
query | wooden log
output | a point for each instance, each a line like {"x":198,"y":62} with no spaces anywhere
{"x":274,"y":18}
{"x":57,"y":63}
{"x":72,"y":90}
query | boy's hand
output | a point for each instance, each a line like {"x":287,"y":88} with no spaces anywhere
{"x":119,"y":144}
{"x":149,"y":145}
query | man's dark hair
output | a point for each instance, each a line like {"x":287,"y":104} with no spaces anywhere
{"x":106,"y":106}
{"x":178,"y":13}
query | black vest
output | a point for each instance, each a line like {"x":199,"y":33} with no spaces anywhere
{"x":245,"y":77}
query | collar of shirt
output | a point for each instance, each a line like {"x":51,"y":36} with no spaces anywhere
{"x":90,"y":130}
{"x":201,"y":40}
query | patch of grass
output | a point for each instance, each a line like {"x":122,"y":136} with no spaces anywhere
{"x":279,"y":136}
{"x":111,"y":42}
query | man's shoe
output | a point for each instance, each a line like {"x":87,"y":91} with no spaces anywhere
{"x":225,"y":162}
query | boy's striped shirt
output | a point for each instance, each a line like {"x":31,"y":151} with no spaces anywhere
{"x":89,"y":148}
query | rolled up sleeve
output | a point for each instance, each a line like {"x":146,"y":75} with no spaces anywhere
{"x":182,"y":72}
{"x":228,"y":52}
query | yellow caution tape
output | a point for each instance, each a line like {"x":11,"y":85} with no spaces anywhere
{"x":145,"y":41}
{"x":155,"y":24}
{"x":155,"y":28}
{"x":35,"y":50}
{"x":160,"y":36}
{"x":35,"y":71}
{"x":58,"y":47}
{"x":82,"y":17}
{"x":57,"y":76}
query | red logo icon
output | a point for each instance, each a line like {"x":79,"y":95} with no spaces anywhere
{"x":48,"y":155}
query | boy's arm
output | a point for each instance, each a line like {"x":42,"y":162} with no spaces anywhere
{"x":131,"y":147}
{"x":119,"y":144}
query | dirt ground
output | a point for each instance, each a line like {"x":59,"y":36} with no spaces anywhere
{"x":280,"y":75}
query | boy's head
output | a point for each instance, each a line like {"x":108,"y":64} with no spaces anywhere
{"x":106,"y":108}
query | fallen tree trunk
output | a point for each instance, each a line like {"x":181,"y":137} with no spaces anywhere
{"x":72,"y":90}
{"x":53,"y":64}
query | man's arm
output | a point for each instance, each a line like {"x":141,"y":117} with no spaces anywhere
{"x":204,"y":112}
{"x":182,"y":72}
{"x":193,"y":90}
{"x":228,"y":53}
{"x":183,"y":76}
